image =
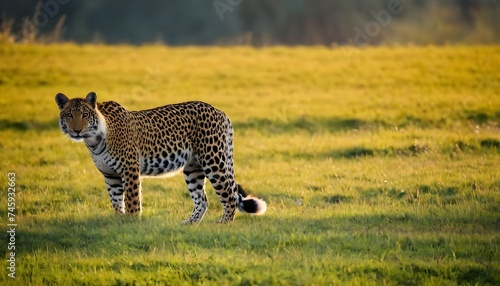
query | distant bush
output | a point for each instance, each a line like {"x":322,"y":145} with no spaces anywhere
{"x":256,"y":22}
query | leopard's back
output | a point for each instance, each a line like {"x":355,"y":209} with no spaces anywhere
{"x":167,"y":136}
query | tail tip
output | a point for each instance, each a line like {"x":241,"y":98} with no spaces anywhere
{"x":253,"y":206}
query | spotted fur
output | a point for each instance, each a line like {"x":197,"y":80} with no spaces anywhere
{"x":192,"y":137}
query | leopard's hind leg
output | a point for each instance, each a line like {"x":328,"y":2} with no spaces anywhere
{"x":195,"y":180}
{"x":225,"y":187}
{"x":218,"y":166}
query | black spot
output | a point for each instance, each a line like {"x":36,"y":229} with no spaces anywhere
{"x":114,"y":186}
{"x":165,"y":164}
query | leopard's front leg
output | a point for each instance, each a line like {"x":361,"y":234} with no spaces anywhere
{"x":131,"y":179}
{"x":115,"y":190}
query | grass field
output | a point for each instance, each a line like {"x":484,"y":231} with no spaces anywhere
{"x":379,"y":166}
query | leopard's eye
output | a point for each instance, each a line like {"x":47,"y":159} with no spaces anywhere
{"x":70,"y":115}
{"x":85,"y":115}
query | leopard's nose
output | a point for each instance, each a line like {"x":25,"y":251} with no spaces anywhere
{"x":77,"y":131}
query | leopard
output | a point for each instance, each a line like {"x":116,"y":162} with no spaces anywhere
{"x":193,"y":138}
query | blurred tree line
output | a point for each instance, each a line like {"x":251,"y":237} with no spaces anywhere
{"x":255,"y":22}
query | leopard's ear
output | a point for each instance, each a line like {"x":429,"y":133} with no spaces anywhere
{"x":91,"y":99}
{"x":61,"y":100}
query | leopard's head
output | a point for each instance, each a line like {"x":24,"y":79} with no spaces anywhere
{"x":79,"y":118}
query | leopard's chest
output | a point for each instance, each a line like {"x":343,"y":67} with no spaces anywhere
{"x":106,"y":165}
{"x":104,"y":161}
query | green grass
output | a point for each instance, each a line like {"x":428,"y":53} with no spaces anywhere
{"x":379,"y":165}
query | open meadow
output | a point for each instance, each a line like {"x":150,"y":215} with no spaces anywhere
{"x":379,"y":166}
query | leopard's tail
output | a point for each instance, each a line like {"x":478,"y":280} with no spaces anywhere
{"x":249,"y":204}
